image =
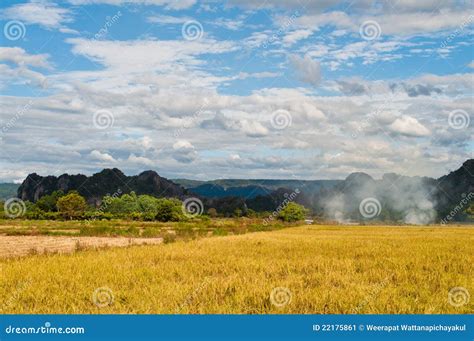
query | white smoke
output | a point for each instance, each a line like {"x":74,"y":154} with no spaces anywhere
{"x":403,"y":199}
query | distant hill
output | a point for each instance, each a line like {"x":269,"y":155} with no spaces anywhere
{"x":455,"y":188}
{"x":267,"y":183}
{"x":394,"y":197}
{"x":8,"y":190}
{"x":215,"y":191}
{"x":95,"y":187}
{"x":251,"y":188}
{"x":414,"y":200}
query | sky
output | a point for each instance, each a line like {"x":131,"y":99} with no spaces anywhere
{"x":290,"y":89}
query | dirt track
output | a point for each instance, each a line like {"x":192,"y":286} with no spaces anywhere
{"x":14,"y":246}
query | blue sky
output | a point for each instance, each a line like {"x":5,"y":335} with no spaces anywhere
{"x":237,"y":89}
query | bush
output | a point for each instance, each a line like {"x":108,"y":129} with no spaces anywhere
{"x":47,"y":203}
{"x":292,"y":212}
{"x":97,"y":215}
{"x":72,"y":206}
{"x":147,"y":205}
{"x":51,"y":216}
{"x":169,"y":210}
{"x":143,"y":207}
{"x":124,"y":205}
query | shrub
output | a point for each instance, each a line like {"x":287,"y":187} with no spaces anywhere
{"x":72,"y":206}
{"x":147,"y":204}
{"x":292,"y":212}
{"x":47,"y":203}
{"x":98,"y":215}
{"x":135,"y":216}
{"x":169,"y":210}
{"x":51,"y":216}
{"x":126,"y":204}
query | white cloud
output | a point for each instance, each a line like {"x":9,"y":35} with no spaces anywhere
{"x":253,"y":128}
{"x":168,"y":4}
{"x":249,"y":127}
{"x":307,"y":69}
{"x":21,"y":72}
{"x":235,"y":157}
{"x":167,"y":19}
{"x":256,"y":39}
{"x":148,"y":55}
{"x":184,"y":151}
{"x":44,"y":13}
{"x":103,"y":157}
{"x":229,"y":24}
{"x":265,"y":74}
{"x":335,"y":18}
{"x":421,"y":23}
{"x":156,"y":88}
{"x":294,"y":36}
{"x":140,"y":160}
{"x":409,"y":126}
{"x":395,"y":18}
{"x":320,"y":126}
{"x":20,"y":57}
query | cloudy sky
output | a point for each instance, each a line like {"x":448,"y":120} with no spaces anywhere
{"x":237,"y":89}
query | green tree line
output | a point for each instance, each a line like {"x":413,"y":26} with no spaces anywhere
{"x":72,"y":205}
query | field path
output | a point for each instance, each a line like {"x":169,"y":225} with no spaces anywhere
{"x":15,"y":246}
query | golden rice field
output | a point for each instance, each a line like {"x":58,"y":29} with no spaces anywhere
{"x":318,"y":270}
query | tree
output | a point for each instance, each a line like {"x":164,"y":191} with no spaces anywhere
{"x":292,"y":212}
{"x":120,"y":206}
{"x":72,"y":206}
{"x":169,"y":210}
{"x":147,"y":204}
{"x":47,"y":203}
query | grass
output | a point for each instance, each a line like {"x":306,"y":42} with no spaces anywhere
{"x":122,"y":228}
{"x":325,"y":270}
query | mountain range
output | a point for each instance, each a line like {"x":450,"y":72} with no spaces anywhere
{"x":394,"y":197}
